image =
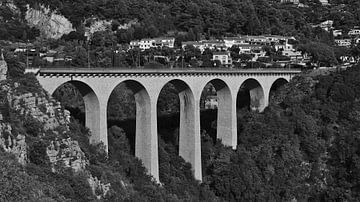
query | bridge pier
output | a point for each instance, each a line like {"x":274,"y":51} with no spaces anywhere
{"x":96,"y":119}
{"x":189,"y":132}
{"x":146,"y":142}
{"x":226,"y":117}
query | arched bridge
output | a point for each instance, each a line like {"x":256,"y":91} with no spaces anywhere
{"x":96,"y":85}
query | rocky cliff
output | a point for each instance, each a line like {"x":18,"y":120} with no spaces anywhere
{"x":50,"y":24}
{"x":28,"y":117}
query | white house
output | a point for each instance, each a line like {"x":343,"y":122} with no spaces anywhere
{"x":214,"y":44}
{"x":147,"y":43}
{"x":290,"y":1}
{"x":223,"y":57}
{"x":343,"y":42}
{"x":354,"y":32}
{"x":249,"y":48}
{"x":337,"y":32}
{"x":231,"y":41}
{"x":164,"y":42}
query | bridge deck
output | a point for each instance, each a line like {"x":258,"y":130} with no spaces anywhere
{"x":159,"y":71}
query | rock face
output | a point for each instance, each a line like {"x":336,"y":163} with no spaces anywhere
{"x":51,"y":119}
{"x":66,"y":152}
{"x":14,"y":145}
{"x":50,"y":24}
{"x":3,"y":67}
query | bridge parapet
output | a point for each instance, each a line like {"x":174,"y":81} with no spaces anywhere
{"x":105,"y":72}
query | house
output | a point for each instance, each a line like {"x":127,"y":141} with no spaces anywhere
{"x":259,"y":40}
{"x":343,"y":42}
{"x":324,"y":2}
{"x":249,"y":48}
{"x":258,"y":53}
{"x":50,"y":55}
{"x":134,"y":44}
{"x":164,"y":42}
{"x":231,"y":41}
{"x":337,"y":32}
{"x":354,"y":32}
{"x":290,"y":1}
{"x":148,"y":43}
{"x":293,"y":55}
{"x":224,"y":58}
{"x":214,"y":44}
{"x":145,"y":44}
{"x":284,"y":47}
{"x":326,"y":25}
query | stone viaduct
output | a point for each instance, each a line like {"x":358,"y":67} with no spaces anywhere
{"x":96,"y":85}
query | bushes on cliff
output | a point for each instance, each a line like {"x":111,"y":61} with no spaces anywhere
{"x":17,"y":185}
{"x":15,"y":68}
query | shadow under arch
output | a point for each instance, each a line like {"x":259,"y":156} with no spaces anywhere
{"x":91,"y":107}
{"x":224,"y":101}
{"x":278,"y":83}
{"x":251,"y":95}
{"x":142,"y":115}
{"x":189,"y":125}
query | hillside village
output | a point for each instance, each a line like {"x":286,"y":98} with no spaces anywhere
{"x":231,"y":52}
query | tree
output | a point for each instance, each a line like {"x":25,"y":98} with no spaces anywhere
{"x":15,"y":68}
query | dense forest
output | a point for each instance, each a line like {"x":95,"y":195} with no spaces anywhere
{"x":211,"y":18}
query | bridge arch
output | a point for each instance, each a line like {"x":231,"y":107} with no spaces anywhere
{"x":278,"y":83}
{"x":189,"y":126}
{"x":251,"y":93}
{"x":92,"y":108}
{"x":226,"y":114}
{"x":145,"y":140}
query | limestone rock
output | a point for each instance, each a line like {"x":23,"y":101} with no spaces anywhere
{"x":3,"y":67}
{"x":98,"y":188}
{"x":14,"y":145}
{"x":50,"y":24}
{"x":66,"y":152}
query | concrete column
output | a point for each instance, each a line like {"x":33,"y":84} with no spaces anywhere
{"x":226,"y":118}
{"x":189,"y":133}
{"x":146,"y":142}
{"x":94,"y":117}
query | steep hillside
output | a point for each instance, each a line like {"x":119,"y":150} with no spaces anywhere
{"x":49,"y":157}
{"x":154,"y":18}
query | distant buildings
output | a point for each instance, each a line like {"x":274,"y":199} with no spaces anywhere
{"x":343,"y":42}
{"x":290,"y":1}
{"x":202,"y":45}
{"x":326,"y":25}
{"x":324,"y":2}
{"x":145,"y":44}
